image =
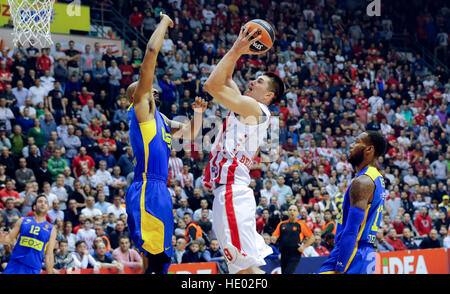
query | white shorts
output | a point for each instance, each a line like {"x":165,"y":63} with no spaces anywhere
{"x":234,"y":224}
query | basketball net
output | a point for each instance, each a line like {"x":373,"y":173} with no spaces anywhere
{"x":31,"y":20}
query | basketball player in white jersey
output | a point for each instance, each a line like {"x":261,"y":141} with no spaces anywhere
{"x":231,"y":157}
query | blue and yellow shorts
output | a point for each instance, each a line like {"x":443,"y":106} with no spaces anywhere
{"x":16,"y":267}
{"x":363,"y":261}
{"x":150,"y":216}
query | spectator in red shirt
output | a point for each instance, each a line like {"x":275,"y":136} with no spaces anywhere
{"x":423,"y":222}
{"x":108,"y":141}
{"x":136,"y":18}
{"x":84,"y":96}
{"x":336,"y":78}
{"x":397,"y":224}
{"x":44,"y":62}
{"x":283,"y":109}
{"x":392,"y":239}
{"x":421,"y":116}
{"x":9,"y":192}
{"x":317,"y":245}
{"x":127,"y":72}
{"x":82,"y":160}
{"x":255,"y":169}
{"x":96,"y":129}
{"x":5,"y":76}
{"x":262,"y":221}
{"x":316,"y":199}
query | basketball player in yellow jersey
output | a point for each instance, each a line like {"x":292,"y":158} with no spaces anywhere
{"x":148,"y":202}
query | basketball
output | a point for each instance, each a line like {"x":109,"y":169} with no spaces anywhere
{"x":267,"y":35}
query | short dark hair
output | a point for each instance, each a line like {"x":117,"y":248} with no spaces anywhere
{"x":276,"y":86}
{"x":79,"y":242}
{"x":379,"y":143}
{"x":36,"y":199}
{"x":123,"y":237}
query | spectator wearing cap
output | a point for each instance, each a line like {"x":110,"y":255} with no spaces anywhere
{"x":445,"y":204}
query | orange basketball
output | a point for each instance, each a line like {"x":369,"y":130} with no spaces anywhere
{"x":267,"y":35}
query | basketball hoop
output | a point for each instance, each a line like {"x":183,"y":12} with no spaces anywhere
{"x":31,"y":20}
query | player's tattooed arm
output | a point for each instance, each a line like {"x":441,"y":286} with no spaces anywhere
{"x":361,"y":191}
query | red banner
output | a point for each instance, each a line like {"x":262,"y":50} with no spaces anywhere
{"x":427,"y":261}
{"x":194,"y":268}
{"x":184,"y":268}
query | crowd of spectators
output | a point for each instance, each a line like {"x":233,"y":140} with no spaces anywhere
{"x":64,"y":129}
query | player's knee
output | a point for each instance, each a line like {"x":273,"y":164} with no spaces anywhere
{"x":231,"y":253}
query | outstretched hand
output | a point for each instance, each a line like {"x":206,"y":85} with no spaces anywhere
{"x":163,"y":16}
{"x":243,"y":42}
{"x":199,"y":104}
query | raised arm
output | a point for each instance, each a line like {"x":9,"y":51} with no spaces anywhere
{"x":220,"y":84}
{"x":189,"y":130}
{"x":361,"y":192}
{"x":143,"y":93}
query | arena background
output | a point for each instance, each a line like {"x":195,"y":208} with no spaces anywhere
{"x":332,"y":56}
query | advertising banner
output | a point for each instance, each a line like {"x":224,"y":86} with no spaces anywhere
{"x":427,"y":261}
{"x":194,"y":268}
{"x":184,"y":268}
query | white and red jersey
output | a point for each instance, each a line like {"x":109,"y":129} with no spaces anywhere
{"x":235,"y":146}
{"x":175,"y":167}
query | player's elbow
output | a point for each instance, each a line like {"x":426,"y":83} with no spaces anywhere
{"x":208,"y":87}
{"x":152,"y":49}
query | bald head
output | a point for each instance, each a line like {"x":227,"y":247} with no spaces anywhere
{"x":132,"y":89}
